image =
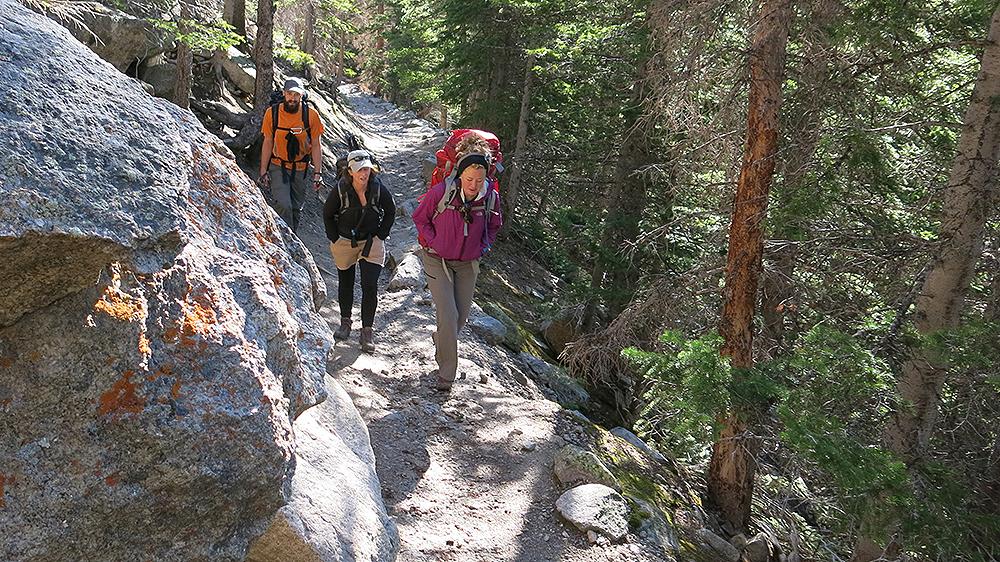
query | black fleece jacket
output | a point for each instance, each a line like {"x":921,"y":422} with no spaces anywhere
{"x":368,"y":220}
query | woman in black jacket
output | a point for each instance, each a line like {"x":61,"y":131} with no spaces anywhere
{"x":358,"y":215}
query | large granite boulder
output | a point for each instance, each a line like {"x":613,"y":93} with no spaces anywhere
{"x":334,"y":512}
{"x":118,"y":37}
{"x":158,"y":324}
{"x":240,"y":68}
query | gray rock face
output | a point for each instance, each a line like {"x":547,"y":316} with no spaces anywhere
{"x":595,"y":507}
{"x":240,"y":68}
{"x":427,"y":166}
{"x":714,"y":547}
{"x":334,"y":511}
{"x":638,"y":443}
{"x":573,"y":465}
{"x":559,"y":386}
{"x":489,"y":328}
{"x":761,"y":548}
{"x":158,"y":325}
{"x":117,"y":37}
{"x":655,"y":527}
{"x":162,"y":77}
{"x":512,"y":338}
{"x":409,"y":274}
{"x":561,"y":330}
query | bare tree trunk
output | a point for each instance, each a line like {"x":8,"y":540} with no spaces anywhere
{"x":220,"y":78}
{"x":263,"y":57}
{"x":625,"y":202}
{"x":379,"y":47}
{"x":309,"y":33}
{"x":443,"y":119}
{"x":519,"y":148}
{"x":938,"y":307}
{"x":185,"y":59}
{"x":498,"y":79}
{"x":263,"y":54}
{"x":341,"y":55}
{"x":234,"y":12}
{"x":733,"y":464}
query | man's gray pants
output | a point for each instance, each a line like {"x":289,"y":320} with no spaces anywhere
{"x":288,"y":189}
{"x":452,"y":292}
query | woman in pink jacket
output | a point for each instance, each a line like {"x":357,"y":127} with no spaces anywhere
{"x":458,"y":221}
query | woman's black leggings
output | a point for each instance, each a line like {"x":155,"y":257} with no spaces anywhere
{"x":369,"y":291}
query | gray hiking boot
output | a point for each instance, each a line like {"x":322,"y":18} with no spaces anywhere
{"x":344,"y":331}
{"x":367,"y":340}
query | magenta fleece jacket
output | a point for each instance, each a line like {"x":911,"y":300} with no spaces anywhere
{"x":445,"y":233}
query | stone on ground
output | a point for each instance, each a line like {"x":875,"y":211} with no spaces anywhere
{"x":595,"y":507}
{"x":638,"y":443}
{"x":409,"y":274}
{"x":574,"y":465}
{"x":488,"y":328}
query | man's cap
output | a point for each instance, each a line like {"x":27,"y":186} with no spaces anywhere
{"x":295,"y":85}
{"x":358,"y":159}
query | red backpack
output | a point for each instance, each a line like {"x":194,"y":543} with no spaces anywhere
{"x":447,"y":159}
{"x":447,"y":156}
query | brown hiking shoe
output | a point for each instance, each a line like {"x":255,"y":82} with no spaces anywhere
{"x":367,"y":340}
{"x":442,"y":385}
{"x":344,"y":331}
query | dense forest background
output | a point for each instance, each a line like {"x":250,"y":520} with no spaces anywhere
{"x":776,"y":221}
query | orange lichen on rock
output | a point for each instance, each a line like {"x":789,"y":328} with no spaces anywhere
{"x":276,"y":277}
{"x":175,"y":390}
{"x":198,"y":317}
{"x":120,"y":306}
{"x":121,"y":398}
{"x":161,"y":371}
{"x":113,"y":479}
{"x":144,"y":348}
{"x":170,"y":334}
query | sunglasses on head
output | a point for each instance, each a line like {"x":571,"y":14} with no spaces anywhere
{"x":358,"y":158}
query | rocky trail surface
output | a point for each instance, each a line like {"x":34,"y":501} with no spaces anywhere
{"x":466,"y":475}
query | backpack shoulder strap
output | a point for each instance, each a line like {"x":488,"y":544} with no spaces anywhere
{"x":491,"y":201}
{"x":306,"y":119}
{"x":274,"y":121}
{"x":449,"y":194}
{"x":342,"y":190}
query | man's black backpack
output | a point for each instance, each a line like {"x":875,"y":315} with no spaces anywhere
{"x":275,"y":101}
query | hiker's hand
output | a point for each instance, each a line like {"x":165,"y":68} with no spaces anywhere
{"x":264,"y":181}
{"x":317,"y":181}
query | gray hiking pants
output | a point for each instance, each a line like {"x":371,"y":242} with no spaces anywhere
{"x":452,"y":289}
{"x":289,"y":193}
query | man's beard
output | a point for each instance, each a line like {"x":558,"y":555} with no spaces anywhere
{"x":291,"y":106}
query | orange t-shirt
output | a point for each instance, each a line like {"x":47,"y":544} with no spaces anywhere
{"x":291,"y":121}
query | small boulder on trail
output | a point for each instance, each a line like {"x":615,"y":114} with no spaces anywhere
{"x":595,"y":507}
